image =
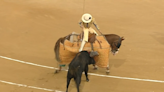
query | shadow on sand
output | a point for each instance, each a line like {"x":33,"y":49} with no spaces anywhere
{"x":158,"y":37}
{"x":116,"y":62}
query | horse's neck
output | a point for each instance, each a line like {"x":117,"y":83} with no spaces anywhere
{"x":112,"y":38}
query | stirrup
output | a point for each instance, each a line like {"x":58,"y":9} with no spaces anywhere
{"x":94,"y":53}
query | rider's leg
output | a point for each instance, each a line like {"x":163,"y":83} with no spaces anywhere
{"x":85,"y":38}
{"x":92,"y":46}
{"x":82,"y":45}
{"x":58,"y":66}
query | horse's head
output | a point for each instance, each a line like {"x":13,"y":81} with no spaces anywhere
{"x":116,"y":45}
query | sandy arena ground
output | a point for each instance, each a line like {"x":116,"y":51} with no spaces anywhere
{"x":30,"y":28}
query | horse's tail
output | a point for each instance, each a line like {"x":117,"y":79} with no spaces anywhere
{"x":57,"y":46}
{"x":56,"y":49}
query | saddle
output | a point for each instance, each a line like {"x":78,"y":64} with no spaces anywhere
{"x":91,"y":38}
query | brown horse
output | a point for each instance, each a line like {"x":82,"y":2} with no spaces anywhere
{"x":114,"y":40}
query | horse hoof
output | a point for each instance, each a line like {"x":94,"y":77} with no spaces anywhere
{"x":95,"y":68}
{"x":107,"y":72}
{"x":56,"y":71}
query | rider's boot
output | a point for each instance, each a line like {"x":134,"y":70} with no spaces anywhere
{"x":93,"y":53}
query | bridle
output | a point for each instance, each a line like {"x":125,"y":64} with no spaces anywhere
{"x":117,"y":45}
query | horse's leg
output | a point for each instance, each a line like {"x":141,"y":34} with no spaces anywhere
{"x":59,"y":68}
{"x":95,"y":67}
{"x":107,"y":70}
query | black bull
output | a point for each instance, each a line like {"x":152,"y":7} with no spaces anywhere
{"x":77,"y":66}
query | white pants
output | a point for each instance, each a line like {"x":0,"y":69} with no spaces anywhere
{"x":85,"y":38}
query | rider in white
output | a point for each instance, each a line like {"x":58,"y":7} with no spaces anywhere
{"x":86,"y":22}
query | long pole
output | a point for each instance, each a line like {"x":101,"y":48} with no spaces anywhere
{"x":98,"y":30}
{"x":83,"y":6}
{"x":104,"y":37}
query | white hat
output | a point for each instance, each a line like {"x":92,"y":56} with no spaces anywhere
{"x":86,"y":18}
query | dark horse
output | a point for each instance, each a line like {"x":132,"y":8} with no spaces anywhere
{"x":114,"y":40}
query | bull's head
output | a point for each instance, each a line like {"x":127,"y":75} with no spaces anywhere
{"x":116,"y":45}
